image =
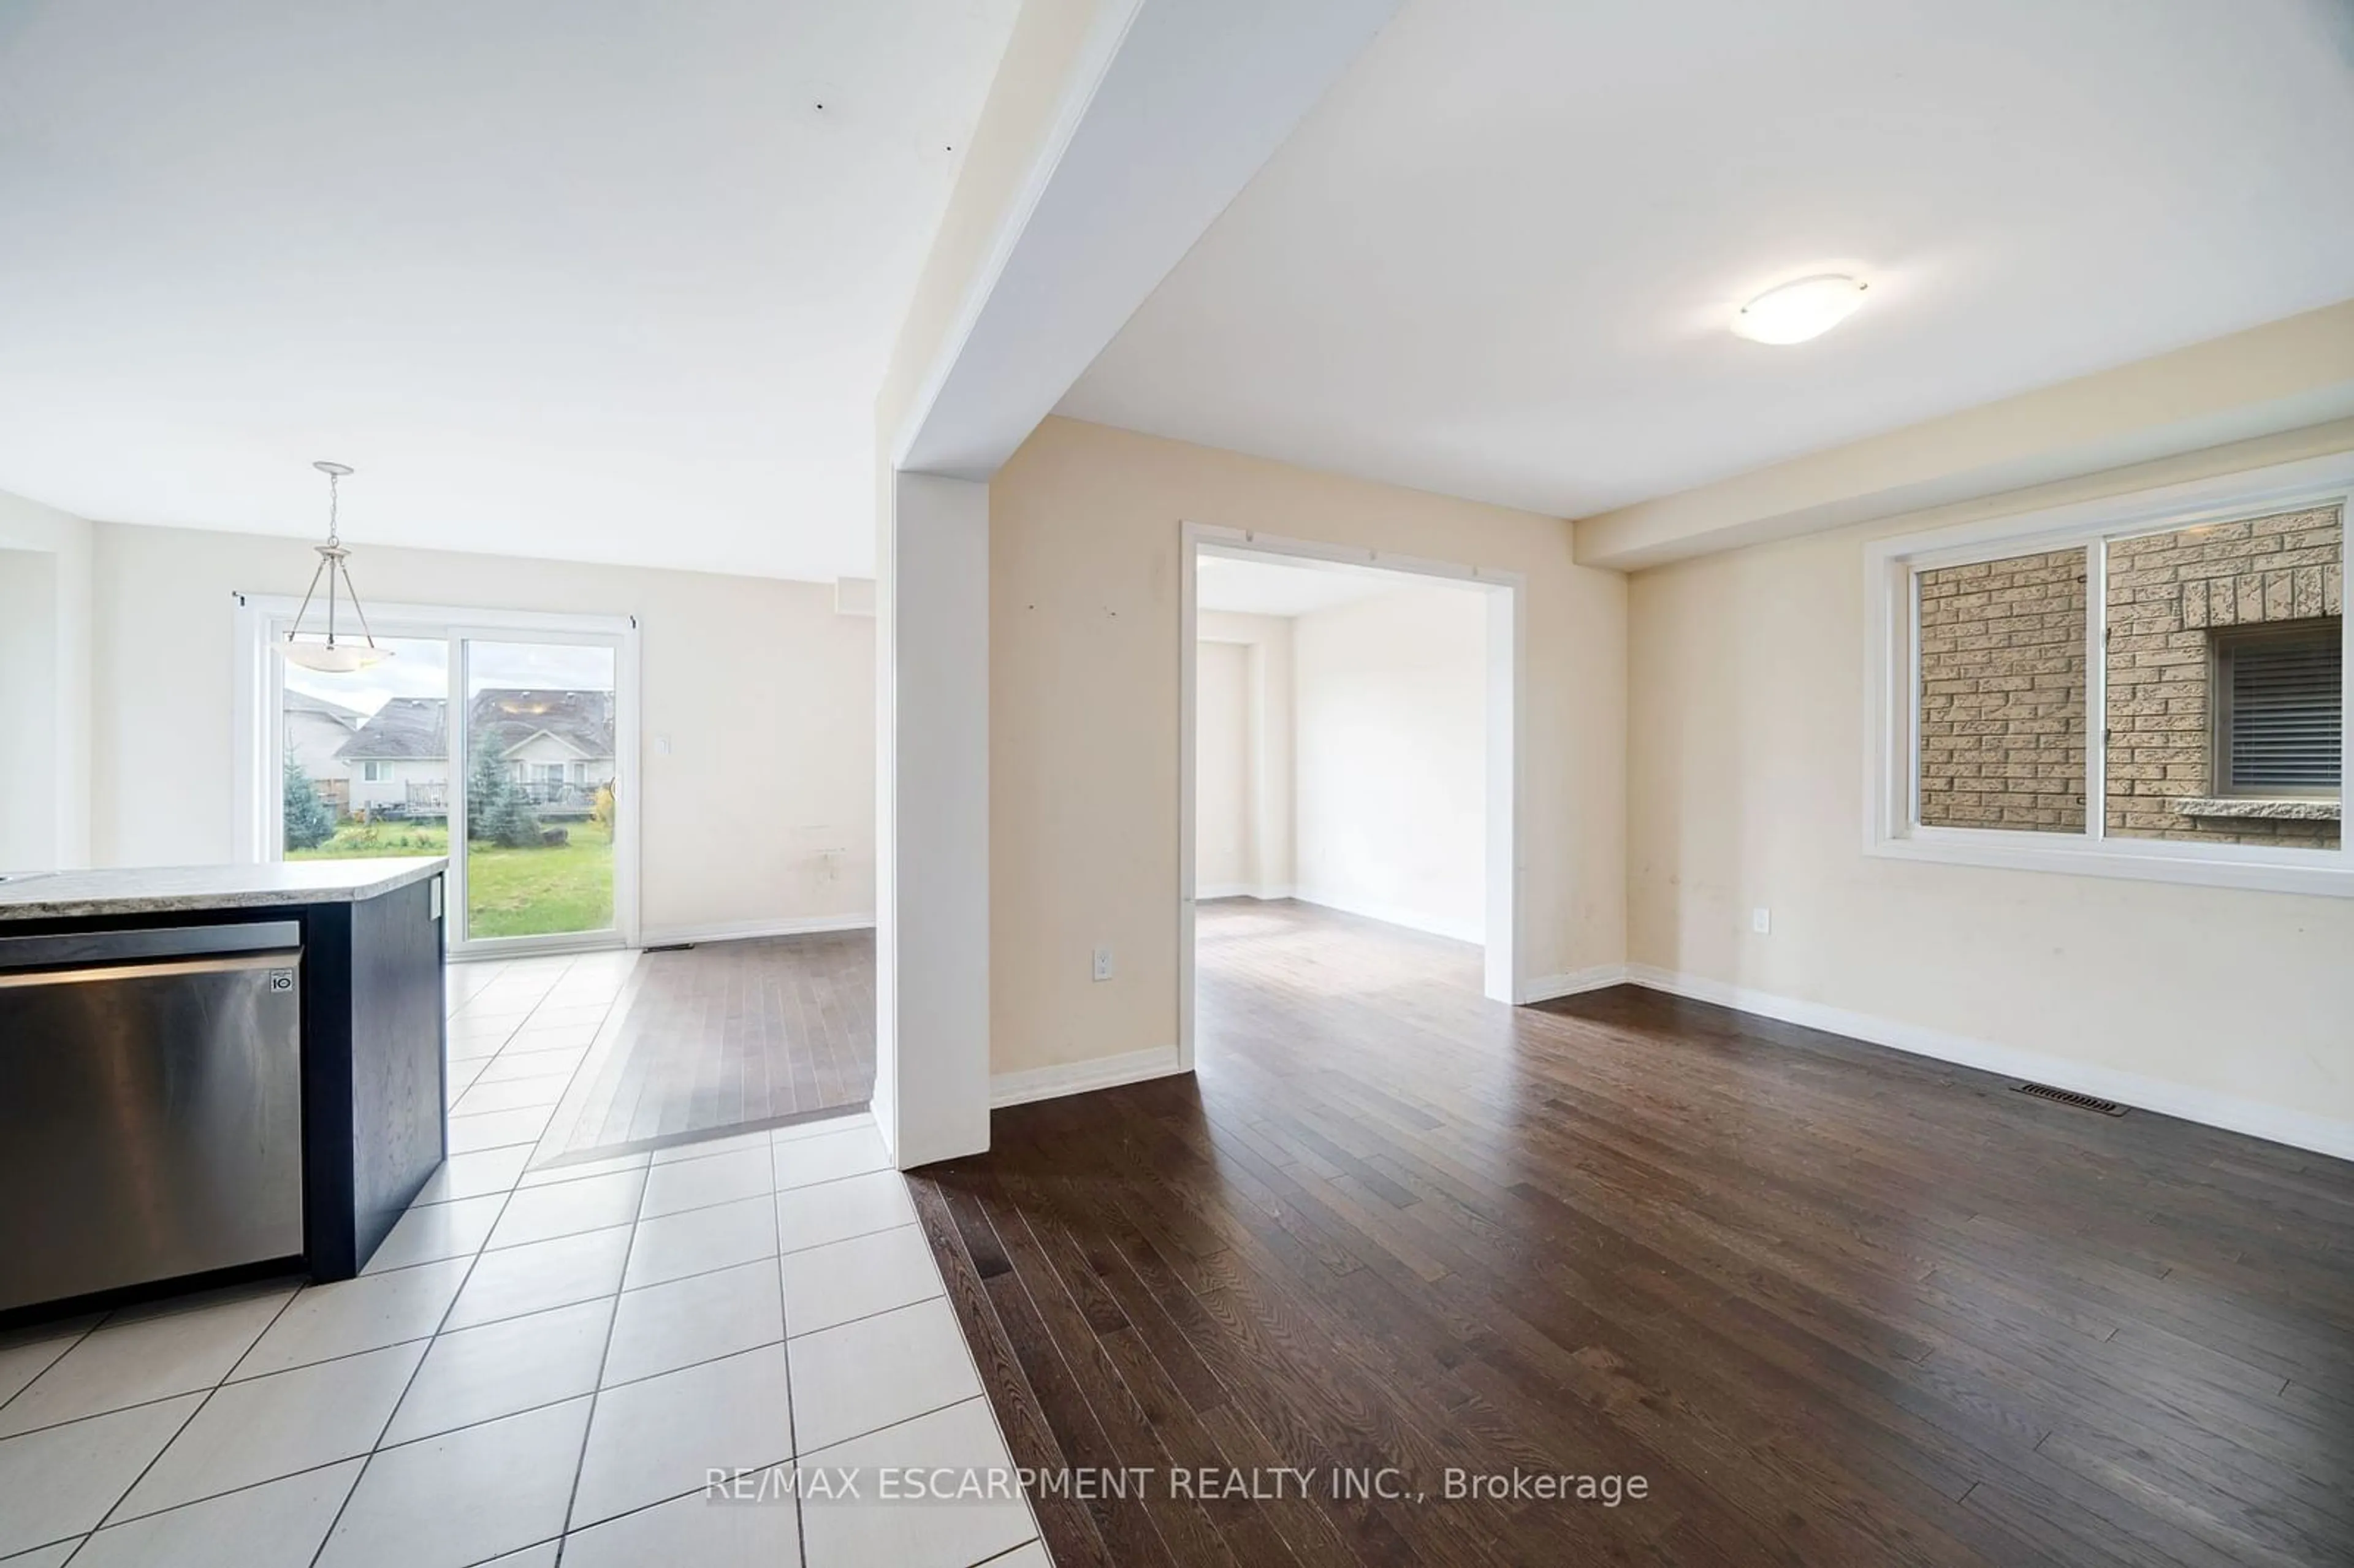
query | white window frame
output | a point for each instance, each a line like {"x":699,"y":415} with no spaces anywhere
{"x":1891,"y":827}
{"x":258,"y":830}
{"x":376,"y":770}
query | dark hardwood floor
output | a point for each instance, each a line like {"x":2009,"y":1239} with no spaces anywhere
{"x":1837,"y":1305}
{"x":725,"y":1034}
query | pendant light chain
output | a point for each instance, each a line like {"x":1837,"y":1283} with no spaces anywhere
{"x":332,"y":566}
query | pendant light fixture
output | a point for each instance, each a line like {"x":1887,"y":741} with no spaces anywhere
{"x":332,"y":655}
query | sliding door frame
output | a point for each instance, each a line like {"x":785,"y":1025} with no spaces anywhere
{"x":258,"y":809}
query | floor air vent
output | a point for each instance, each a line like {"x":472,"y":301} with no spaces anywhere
{"x":2068,"y":1097}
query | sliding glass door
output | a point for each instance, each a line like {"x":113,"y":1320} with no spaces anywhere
{"x":507,"y":745}
{"x":542,"y":789}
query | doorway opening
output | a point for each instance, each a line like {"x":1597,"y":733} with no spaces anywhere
{"x":1349,"y":760}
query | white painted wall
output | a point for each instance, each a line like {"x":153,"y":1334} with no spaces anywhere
{"x":759,"y":816}
{"x":932,"y":928}
{"x":1226,"y":744}
{"x":1266,"y":641}
{"x":45,"y":691}
{"x":28,"y":710}
{"x":1390,"y":700}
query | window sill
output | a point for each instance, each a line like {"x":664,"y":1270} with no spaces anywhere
{"x":2326,"y":873}
{"x":2267,"y":809}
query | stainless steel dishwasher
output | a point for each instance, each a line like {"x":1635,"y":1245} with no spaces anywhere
{"x":151,"y":1106}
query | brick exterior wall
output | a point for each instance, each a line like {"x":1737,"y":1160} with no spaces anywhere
{"x":2166,"y":594}
{"x":2002,"y":694}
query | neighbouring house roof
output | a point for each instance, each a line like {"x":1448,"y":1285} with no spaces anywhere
{"x":501,"y":718}
{"x":505,"y":719}
{"x":404,"y":726}
{"x":303,"y":703}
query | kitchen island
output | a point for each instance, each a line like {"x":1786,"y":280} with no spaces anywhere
{"x":213,"y":1071}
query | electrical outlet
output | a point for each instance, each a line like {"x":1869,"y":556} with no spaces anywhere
{"x":661,"y":746}
{"x":1761,"y":921}
{"x":1103,"y":963}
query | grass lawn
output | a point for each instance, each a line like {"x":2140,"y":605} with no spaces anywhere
{"x":529,"y":892}
{"x":509,"y":892}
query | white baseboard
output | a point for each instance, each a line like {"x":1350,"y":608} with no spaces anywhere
{"x":1079,"y":1077}
{"x":1547,"y":987}
{"x":1239,"y":890}
{"x":2277,"y":1123}
{"x":737,"y":930}
{"x":1389,"y":915}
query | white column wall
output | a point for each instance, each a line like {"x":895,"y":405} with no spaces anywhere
{"x":931,"y":938}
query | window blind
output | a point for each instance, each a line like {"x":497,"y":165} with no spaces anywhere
{"x":2287,"y":713}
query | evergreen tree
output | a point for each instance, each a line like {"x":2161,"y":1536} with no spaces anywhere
{"x":497,"y":811}
{"x":487,"y":789}
{"x":309,"y":822}
{"x":513,"y":824}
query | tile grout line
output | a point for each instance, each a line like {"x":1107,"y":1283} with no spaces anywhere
{"x":101,"y":1321}
{"x":368,"y":1461}
{"x":589,"y":1426}
{"x":447,"y":1431}
{"x":792,"y":1411}
{"x":181,"y":1430}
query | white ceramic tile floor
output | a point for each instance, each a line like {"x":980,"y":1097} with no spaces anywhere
{"x":807,"y":1161}
{"x":146,"y":1355}
{"x":874,"y":1372}
{"x":278,"y":1524}
{"x":550,"y":1362}
{"x":685,"y":1184}
{"x":524,"y":1280}
{"x":836,"y":1211}
{"x":662,"y":1328}
{"x":856,"y":1278}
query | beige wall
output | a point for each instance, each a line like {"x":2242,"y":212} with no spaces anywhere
{"x":1746,"y":749}
{"x":1389,"y":695}
{"x":761,"y":812}
{"x":1083,"y":659}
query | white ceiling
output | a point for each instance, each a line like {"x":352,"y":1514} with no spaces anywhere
{"x":1269,"y":587}
{"x":1497,"y":260}
{"x":594,"y":280}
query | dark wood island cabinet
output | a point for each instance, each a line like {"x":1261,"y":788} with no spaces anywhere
{"x":208,"y":1072}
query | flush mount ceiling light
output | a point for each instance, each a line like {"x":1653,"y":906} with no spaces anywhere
{"x":330,"y":654}
{"x":1796,"y":312}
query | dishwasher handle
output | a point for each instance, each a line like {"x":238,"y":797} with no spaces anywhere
{"x":82,"y":949}
{"x":281,"y":965}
